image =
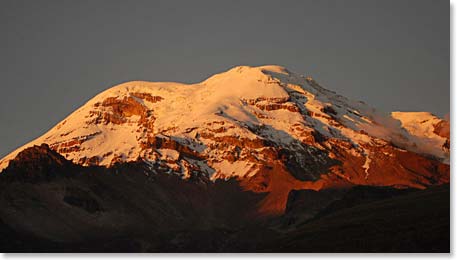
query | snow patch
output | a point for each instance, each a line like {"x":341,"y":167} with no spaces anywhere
{"x":366,"y":165}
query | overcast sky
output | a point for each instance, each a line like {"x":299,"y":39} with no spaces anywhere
{"x":56,"y":55}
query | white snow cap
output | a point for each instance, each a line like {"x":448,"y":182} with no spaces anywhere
{"x":271,"y":98}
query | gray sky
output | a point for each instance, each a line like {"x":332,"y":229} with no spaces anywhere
{"x":56,"y":55}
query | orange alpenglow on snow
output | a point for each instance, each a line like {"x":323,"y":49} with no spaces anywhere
{"x":271,"y":129}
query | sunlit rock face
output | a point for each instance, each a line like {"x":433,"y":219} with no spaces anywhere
{"x":268,"y":128}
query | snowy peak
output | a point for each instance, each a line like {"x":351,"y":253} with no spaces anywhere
{"x":431,"y":133}
{"x":423,"y":124}
{"x":244,"y":82}
{"x":246,"y":123}
{"x":242,"y":96}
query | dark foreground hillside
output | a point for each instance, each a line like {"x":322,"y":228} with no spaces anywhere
{"x":50,"y":205}
{"x":416,"y":221}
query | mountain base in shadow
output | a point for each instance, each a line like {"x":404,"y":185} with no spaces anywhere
{"x":48,"y":204}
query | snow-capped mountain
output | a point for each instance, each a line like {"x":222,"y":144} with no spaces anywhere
{"x":269,"y":128}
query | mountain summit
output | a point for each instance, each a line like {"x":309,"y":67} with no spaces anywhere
{"x":270,"y":129}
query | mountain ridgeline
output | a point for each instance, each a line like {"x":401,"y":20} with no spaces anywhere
{"x":246,"y":160}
